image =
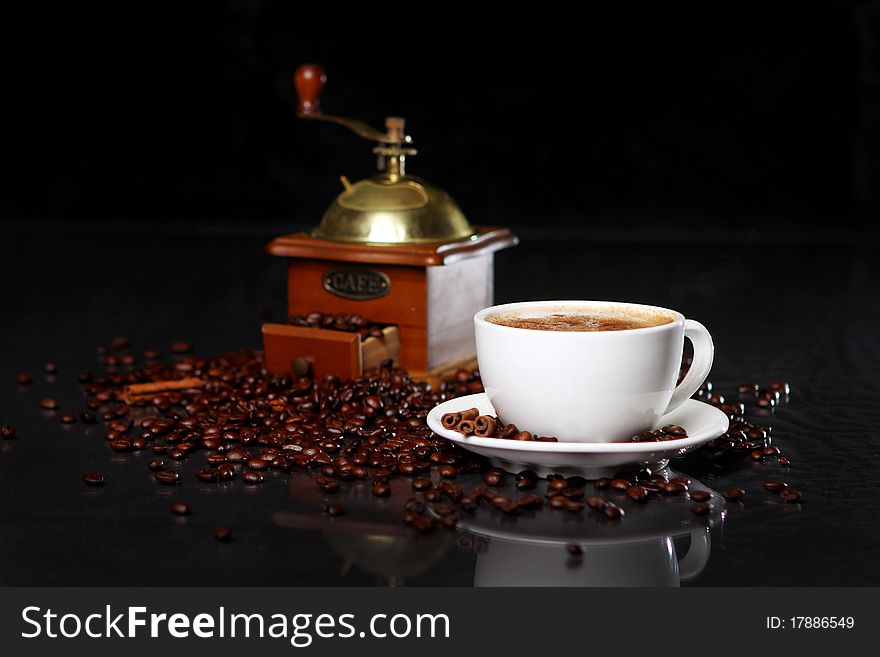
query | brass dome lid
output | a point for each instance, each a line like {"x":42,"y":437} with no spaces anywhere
{"x":392,"y":209}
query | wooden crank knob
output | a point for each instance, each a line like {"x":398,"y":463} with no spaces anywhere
{"x":309,"y":80}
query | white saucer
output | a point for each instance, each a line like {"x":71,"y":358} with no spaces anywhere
{"x":702,"y":422}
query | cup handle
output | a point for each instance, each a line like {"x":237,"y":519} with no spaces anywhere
{"x":693,"y":563}
{"x":704,"y":354}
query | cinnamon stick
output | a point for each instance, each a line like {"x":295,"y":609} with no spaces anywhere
{"x":136,"y":391}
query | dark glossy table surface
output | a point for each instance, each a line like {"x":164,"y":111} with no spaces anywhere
{"x":804,"y":312}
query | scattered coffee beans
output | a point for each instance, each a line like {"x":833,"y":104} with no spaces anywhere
{"x":167,"y":477}
{"x":247,"y":422}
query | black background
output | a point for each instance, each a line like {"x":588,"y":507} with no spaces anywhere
{"x":735,"y":116}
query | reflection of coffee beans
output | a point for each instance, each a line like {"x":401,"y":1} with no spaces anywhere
{"x":581,"y":319}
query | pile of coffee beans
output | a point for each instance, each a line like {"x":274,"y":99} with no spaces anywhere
{"x":469,"y":422}
{"x":349,"y":323}
{"x":247,"y":424}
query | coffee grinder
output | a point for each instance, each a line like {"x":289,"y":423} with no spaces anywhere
{"x":392,"y":248}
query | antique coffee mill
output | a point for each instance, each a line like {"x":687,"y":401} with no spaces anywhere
{"x":392,"y":248}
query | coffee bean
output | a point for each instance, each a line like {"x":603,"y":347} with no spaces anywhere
{"x":180,"y":509}
{"x":675,"y":430}
{"x":407,"y":468}
{"x":93,"y":479}
{"x":251,"y":477}
{"x":734,"y":494}
{"x":22,"y":379}
{"x":620,"y":484}
{"x":493,"y":478}
{"x":7,"y":431}
{"x":236,"y":455}
{"x":168,"y":477}
{"x":783,"y":460}
{"x":448,"y":471}
{"x":381,"y":489}
{"x":700,"y":495}
{"x":774,"y":485}
{"x":790,"y":495}
{"x":557,"y":485}
{"x":223,"y":534}
{"x":637,"y":494}
{"x":68,"y":418}
{"x":756,"y":433}
{"x":574,"y":549}
{"x":674,"y":488}
{"x":558,"y":502}
{"x":257,"y":464}
{"x":700,"y":508}
{"x":48,"y":404}
{"x":120,"y":445}
{"x":757,"y":455}
{"x":421,"y":484}
{"x":748,"y":389}
{"x":226,"y":472}
{"x":181,"y":348}
{"x":603,"y":482}
{"x":155,"y":465}
{"x":596,"y":503}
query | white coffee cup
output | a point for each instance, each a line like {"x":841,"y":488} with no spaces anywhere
{"x":588,"y":386}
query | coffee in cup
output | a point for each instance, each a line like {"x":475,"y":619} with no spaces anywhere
{"x":575,"y":318}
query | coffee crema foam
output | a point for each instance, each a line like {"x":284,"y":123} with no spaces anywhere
{"x":583,"y":319}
